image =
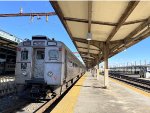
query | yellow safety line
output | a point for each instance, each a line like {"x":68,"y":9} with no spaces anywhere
{"x":131,"y":87}
{"x":67,"y":104}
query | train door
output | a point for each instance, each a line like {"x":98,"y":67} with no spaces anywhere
{"x":38,"y":70}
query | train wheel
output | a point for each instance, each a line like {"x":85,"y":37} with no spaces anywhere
{"x":72,"y":81}
{"x":66,"y":85}
{"x":48,"y":94}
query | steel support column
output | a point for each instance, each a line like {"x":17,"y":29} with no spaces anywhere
{"x":106,"y":51}
{"x":97,"y":70}
{"x":98,"y":75}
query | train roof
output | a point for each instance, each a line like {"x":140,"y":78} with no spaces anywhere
{"x":42,"y":37}
{"x":71,"y":53}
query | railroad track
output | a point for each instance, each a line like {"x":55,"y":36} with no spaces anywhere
{"x":37,"y":106}
{"x":136,"y":82}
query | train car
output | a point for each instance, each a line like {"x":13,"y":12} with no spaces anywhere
{"x":2,"y":62}
{"x":10,"y":68}
{"x":142,"y":71}
{"x":6,"y":68}
{"x":46,"y":63}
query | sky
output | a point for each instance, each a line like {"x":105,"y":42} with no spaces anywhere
{"x":23,"y":28}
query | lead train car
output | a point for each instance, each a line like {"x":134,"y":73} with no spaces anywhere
{"x":46,"y":62}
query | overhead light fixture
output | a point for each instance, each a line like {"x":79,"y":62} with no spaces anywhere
{"x":89,"y":36}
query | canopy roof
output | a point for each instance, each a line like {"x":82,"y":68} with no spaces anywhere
{"x":8,"y":41}
{"x":116,"y":24}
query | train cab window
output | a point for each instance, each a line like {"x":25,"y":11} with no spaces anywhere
{"x":53,"y":54}
{"x":40,"y":55}
{"x":24,"y":55}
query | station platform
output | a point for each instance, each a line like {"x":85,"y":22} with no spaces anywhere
{"x":89,"y":96}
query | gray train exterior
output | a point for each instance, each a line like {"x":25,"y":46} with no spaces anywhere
{"x":46,"y":61}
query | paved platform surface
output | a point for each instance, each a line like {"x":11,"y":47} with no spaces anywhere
{"x":89,"y":96}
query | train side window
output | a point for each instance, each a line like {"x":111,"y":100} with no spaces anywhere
{"x":70,"y":64}
{"x":53,"y":55}
{"x":73,"y":64}
{"x":40,"y":55}
{"x":24,"y":55}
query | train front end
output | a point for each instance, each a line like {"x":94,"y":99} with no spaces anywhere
{"x":39,"y":62}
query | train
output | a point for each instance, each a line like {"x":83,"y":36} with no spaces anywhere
{"x":143,"y":71}
{"x":6,"y":68}
{"x":45,"y":65}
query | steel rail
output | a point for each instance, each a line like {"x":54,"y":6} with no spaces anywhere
{"x":139,"y":83}
{"x":46,"y":105}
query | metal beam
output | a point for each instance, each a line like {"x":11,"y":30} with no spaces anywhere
{"x":89,"y":53}
{"x":134,"y":32}
{"x":7,"y":40}
{"x":137,"y":37}
{"x":5,"y":47}
{"x":101,"y":55}
{"x":88,"y":57}
{"x":92,"y":42}
{"x":89,"y":15}
{"x":131,"y":6}
{"x":138,"y":29}
{"x":85,"y":41}
{"x":116,"y":41}
{"x":8,"y":45}
{"x":28,"y":14}
{"x":101,"y":22}
{"x":135,"y":21}
{"x":89,"y":48}
{"x":117,"y":45}
{"x":132,"y":43}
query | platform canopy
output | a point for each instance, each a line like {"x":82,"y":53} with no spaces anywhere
{"x":8,"y":41}
{"x":112,"y":26}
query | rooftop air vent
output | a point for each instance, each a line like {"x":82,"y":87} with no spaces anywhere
{"x":39,"y":37}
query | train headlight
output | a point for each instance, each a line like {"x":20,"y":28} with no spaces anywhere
{"x":24,"y":73}
{"x":50,"y":73}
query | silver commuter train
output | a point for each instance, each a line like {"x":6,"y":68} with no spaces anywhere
{"x":46,"y":62}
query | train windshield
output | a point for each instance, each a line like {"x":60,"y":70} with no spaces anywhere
{"x":40,"y":54}
{"x":24,"y":55}
{"x":53,"y":54}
